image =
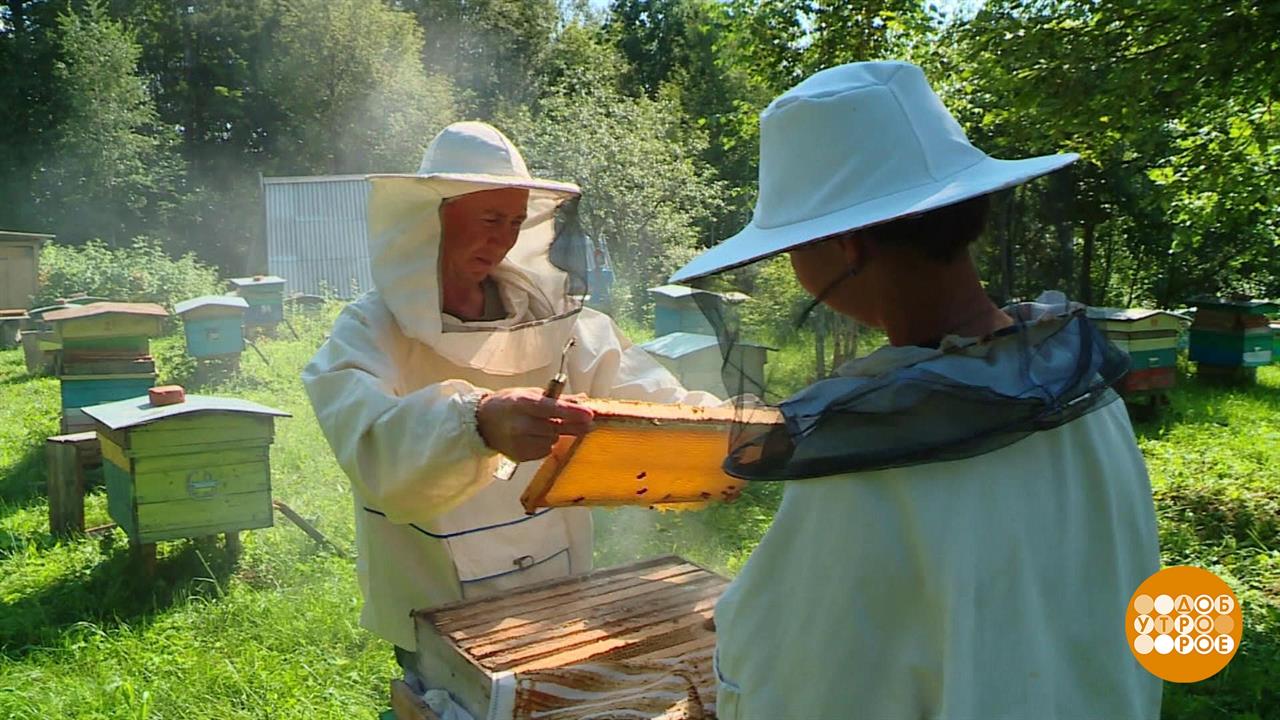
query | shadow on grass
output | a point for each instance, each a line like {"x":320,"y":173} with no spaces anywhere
{"x":23,"y":480}
{"x":1246,"y":688}
{"x":112,"y":594}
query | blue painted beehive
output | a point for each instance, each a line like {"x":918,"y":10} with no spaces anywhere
{"x":699,"y":363}
{"x":265,"y":295}
{"x":213,"y":325}
{"x":678,"y":308}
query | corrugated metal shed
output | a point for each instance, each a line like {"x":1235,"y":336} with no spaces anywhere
{"x":317,"y":238}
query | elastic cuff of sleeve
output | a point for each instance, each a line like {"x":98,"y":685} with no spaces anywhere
{"x":471,"y":421}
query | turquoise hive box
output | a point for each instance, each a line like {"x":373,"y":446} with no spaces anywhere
{"x":213,"y":325}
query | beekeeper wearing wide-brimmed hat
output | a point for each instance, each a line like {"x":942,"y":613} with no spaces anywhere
{"x":966,"y":513}
{"x":427,"y":383}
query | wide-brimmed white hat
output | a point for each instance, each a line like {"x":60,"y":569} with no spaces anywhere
{"x":854,"y":146}
{"x":478,"y":154}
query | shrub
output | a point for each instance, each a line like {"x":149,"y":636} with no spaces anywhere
{"x":143,"y":272}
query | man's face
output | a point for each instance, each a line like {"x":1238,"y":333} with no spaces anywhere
{"x":479,"y":229}
{"x":819,"y":265}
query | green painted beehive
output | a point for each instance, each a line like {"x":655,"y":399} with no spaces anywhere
{"x":1232,"y":333}
{"x":198,"y":467}
{"x":265,"y":295}
{"x":106,"y":354}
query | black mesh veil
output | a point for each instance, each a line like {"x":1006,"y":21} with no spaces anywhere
{"x":907,"y":406}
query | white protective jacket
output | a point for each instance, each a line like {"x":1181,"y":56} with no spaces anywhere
{"x":988,"y":588}
{"x":395,"y":390}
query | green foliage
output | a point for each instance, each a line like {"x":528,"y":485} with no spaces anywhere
{"x":142,"y":272}
{"x":351,"y":89}
{"x":105,"y":169}
{"x":645,"y":186}
{"x":491,"y":49}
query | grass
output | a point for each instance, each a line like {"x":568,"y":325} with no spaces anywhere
{"x":277,"y":635}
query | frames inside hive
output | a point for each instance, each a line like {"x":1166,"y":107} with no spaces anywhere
{"x":646,"y":454}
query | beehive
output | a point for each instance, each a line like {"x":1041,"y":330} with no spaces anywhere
{"x":213,"y":325}
{"x":265,"y":295}
{"x":106,"y":355}
{"x":40,"y":344}
{"x":679,"y":308}
{"x":1231,"y":333}
{"x":652,"y":611}
{"x":699,"y":364}
{"x":195,"y":468}
{"x":642,"y":453}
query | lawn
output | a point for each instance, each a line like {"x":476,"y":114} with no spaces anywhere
{"x":277,"y":636}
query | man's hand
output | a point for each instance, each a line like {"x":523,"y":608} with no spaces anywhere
{"x":523,"y":425}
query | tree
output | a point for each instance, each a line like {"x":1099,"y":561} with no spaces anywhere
{"x":490,"y":49}
{"x":645,"y":187}
{"x":108,"y":169}
{"x":351,"y":89}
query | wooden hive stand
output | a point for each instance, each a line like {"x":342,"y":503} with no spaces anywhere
{"x":68,"y":460}
{"x":630,"y":618}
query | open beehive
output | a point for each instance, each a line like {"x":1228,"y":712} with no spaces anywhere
{"x":549,"y":644}
{"x":193,"y":468}
{"x":649,"y":454}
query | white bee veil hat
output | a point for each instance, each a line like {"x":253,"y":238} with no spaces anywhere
{"x":854,"y":146}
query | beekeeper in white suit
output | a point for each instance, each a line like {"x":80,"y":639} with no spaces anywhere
{"x":428,"y":382}
{"x":966,"y":512}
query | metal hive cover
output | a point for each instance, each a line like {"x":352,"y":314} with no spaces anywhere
{"x":139,"y":411}
{"x":106,"y":308}
{"x":230,"y":301}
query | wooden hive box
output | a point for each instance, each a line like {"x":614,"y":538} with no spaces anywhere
{"x":1150,"y":337}
{"x":656,"y":610}
{"x":105,"y":356}
{"x":1231,"y":333}
{"x":213,"y":325}
{"x":265,"y":295}
{"x":677,"y":308}
{"x":19,"y":268}
{"x":1136,"y":320}
{"x":195,"y":468}
{"x":697,"y":362}
{"x":641,"y":453}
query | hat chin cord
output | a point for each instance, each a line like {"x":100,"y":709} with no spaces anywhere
{"x":826,"y":292}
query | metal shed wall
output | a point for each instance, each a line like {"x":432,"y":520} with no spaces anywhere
{"x":317,"y":239}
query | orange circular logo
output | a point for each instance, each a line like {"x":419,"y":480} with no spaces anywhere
{"x":1183,"y":624}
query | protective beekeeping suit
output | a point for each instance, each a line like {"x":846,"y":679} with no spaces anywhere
{"x":966,"y":513}
{"x":397,"y":386}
